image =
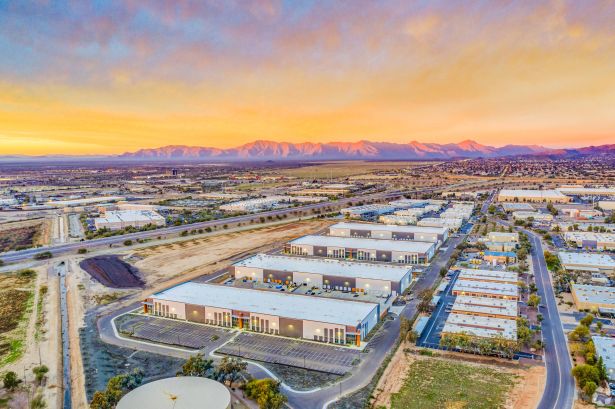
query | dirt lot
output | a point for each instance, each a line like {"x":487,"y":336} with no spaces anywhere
{"x":25,"y":234}
{"x":189,"y":259}
{"x":525,"y":394}
{"x":112,"y":272}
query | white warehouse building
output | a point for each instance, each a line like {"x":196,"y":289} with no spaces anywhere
{"x":391,"y":251}
{"x":292,"y":315}
{"x":325,"y":273}
{"x":389,"y":232}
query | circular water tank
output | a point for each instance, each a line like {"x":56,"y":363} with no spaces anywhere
{"x":182,"y":392}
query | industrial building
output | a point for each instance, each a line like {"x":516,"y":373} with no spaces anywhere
{"x":393,"y":251}
{"x":278,"y":313}
{"x":591,"y":240}
{"x":341,"y":275}
{"x":500,"y":257}
{"x":605,"y":348}
{"x":535,"y":196}
{"x":606,"y":204}
{"x":485,"y":307}
{"x":397,"y":219}
{"x":588,"y":297}
{"x":587,"y":262}
{"x":587,"y":226}
{"x":458,"y":211}
{"x":504,"y":237}
{"x":255,"y":205}
{"x":367,"y":211}
{"x":586,"y":191}
{"x":84,"y":201}
{"x":452,"y":224}
{"x":517,"y":207}
{"x":486,"y":289}
{"x":389,"y":232}
{"x":120,"y":219}
{"x":537,"y":216}
{"x":491,"y":276}
{"x":480,"y":326}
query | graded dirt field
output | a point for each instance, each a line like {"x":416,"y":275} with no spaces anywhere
{"x":23,"y":235}
{"x":189,"y":259}
{"x":112,"y":272}
{"x":417,"y":381}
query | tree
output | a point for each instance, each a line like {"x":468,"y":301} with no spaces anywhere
{"x":589,"y":389}
{"x":533,"y":300}
{"x":586,"y":373}
{"x":230,"y":369}
{"x":43,"y":256}
{"x":197,"y":366}
{"x":82,"y":251}
{"x":443,"y":271}
{"x":40,"y":372}
{"x":38,"y":402}
{"x":10,"y":381}
{"x":266,"y":392}
{"x":587,"y":320}
{"x":602,"y":369}
{"x":117,"y":387}
{"x":581,"y":332}
{"x":128,"y":242}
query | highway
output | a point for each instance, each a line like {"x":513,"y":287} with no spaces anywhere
{"x":59,"y":249}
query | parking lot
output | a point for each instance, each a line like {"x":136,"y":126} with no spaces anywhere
{"x":430,"y":337}
{"x":166,"y":331}
{"x":285,"y":351}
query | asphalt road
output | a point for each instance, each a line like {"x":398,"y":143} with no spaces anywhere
{"x":560,"y":387}
{"x":59,"y":249}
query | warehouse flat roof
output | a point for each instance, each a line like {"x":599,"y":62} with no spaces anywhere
{"x":586,"y":259}
{"x":594,"y":294}
{"x":480,"y":326}
{"x":389,"y":227}
{"x":499,"y":275}
{"x":483,"y":305}
{"x":532,"y":193}
{"x":127,"y":216}
{"x":588,"y":235}
{"x":360,"y":243}
{"x":270,"y":302}
{"x":517,"y":206}
{"x":605,"y":348}
{"x":332,"y":267}
{"x":487,"y":288}
{"x":604,"y":191}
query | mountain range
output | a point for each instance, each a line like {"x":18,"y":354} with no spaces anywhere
{"x":363,"y":150}
{"x":269,"y":150}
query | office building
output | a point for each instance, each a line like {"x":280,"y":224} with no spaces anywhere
{"x":591,"y":240}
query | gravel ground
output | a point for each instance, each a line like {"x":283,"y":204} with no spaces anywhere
{"x":102,"y":361}
{"x":301,"y":379}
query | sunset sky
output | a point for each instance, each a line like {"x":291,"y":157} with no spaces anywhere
{"x":113,"y":76}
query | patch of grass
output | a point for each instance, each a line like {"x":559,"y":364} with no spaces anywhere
{"x":16,"y":305}
{"x":40,"y":313}
{"x":105,"y":299}
{"x":434,"y":383}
